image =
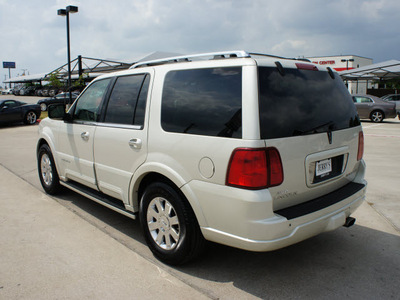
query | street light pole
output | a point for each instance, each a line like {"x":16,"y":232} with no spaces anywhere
{"x":347,"y":62}
{"x":65,"y":12}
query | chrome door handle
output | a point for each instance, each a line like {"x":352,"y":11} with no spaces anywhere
{"x":135,"y":143}
{"x":85,"y":136}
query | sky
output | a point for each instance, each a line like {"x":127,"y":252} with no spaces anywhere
{"x":34,"y":37}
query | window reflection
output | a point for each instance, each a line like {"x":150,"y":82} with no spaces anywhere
{"x":203,"y":101}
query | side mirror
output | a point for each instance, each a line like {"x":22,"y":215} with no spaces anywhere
{"x":56,"y":111}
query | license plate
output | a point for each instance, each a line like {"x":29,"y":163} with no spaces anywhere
{"x":323,"y":167}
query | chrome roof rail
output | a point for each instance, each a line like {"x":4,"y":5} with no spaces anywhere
{"x":184,"y":58}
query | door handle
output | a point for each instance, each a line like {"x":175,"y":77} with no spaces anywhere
{"x":85,"y":136}
{"x":135,"y":143}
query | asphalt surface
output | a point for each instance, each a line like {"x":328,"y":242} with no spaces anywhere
{"x":68,"y":247}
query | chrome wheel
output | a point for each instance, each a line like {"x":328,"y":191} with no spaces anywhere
{"x":46,"y":169}
{"x":163,"y":223}
{"x":376,"y":117}
{"x":30,"y":118}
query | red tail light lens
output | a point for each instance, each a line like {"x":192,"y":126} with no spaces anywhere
{"x":360,"y":153}
{"x":255,"y":168}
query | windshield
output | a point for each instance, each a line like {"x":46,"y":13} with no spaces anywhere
{"x":303,"y":102}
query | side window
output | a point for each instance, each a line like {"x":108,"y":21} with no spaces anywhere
{"x":365,"y":100}
{"x":361,"y":100}
{"x":88,"y":106}
{"x":141,"y":103}
{"x":10,"y":104}
{"x":203,"y":101}
{"x":128,"y":100}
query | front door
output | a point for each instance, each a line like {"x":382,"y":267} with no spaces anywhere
{"x":76,"y":137}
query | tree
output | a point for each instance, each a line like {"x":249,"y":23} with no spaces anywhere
{"x":54,"y":80}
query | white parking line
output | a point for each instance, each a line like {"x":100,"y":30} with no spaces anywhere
{"x":370,"y":126}
{"x":383,"y":135}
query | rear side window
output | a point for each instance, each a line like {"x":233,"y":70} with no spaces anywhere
{"x":357,"y":99}
{"x":303,"y":102}
{"x":203,"y":101}
{"x":128,"y":100}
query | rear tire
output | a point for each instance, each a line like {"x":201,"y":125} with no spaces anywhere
{"x":169,"y":225}
{"x":377,"y":116}
{"x":47,"y":170}
{"x":30,"y":118}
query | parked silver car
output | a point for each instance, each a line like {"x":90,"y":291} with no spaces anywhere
{"x":374,"y":108}
{"x":393,"y":98}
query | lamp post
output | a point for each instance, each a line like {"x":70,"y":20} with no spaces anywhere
{"x":65,"y":12}
{"x":347,"y":62}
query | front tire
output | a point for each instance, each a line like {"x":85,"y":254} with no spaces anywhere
{"x":30,"y":118}
{"x":47,"y":170}
{"x":169,"y":225}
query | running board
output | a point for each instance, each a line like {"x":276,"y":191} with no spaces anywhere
{"x":99,"y":197}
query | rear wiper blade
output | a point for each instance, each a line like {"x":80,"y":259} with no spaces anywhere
{"x":314,"y":129}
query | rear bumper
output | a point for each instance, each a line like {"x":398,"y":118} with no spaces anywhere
{"x":239,"y":223}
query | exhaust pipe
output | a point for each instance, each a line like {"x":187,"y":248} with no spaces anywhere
{"x":349,"y":222}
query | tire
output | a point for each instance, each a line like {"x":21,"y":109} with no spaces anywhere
{"x":47,"y":171}
{"x":30,"y":118}
{"x":377,"y":116}
{"x":43,"y":106}
{"x":169,"y":225}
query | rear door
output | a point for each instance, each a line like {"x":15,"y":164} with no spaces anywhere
{"x":364,"y":105}
{"x":120,"y":145}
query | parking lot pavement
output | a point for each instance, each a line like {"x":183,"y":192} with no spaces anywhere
{"x":71,"y":247}
{"x":382,"y":155}
{"x":27,"y":99}
{"x":48,"y":252}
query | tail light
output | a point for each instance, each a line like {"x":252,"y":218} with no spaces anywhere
{"x":255,"y":168}
{"x":360,"y":152}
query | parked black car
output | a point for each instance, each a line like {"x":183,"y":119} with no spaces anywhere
{"x":60,"y":98}
{"x":12,"y":111}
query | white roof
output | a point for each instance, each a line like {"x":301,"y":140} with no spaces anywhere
{"x":387,"y":69}
{"x":26,"y":78}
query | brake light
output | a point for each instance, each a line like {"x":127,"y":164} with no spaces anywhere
{"x":310,"y":67}
{"x":360,"y":152}
{"x":255,"y":168}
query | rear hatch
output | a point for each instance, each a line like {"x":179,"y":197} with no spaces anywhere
{"x":308,"y":115}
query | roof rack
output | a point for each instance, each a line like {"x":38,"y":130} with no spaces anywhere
{"x":184,"y":58}
{"x":267,"y":55}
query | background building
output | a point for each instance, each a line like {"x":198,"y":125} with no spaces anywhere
{"x":347,"y":62}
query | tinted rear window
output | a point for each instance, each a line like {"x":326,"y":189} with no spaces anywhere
{"x":303,"y":102}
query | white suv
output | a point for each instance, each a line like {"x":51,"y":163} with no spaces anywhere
{"x":252,"y":151}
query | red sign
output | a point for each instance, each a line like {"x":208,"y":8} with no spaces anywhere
{"x":325,"y":62}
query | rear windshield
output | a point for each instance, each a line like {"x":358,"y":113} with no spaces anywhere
{"x":303,"y":102}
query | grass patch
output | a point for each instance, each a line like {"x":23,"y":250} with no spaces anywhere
{"x":43,"y":115}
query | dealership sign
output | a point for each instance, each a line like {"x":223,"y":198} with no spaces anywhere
{"x":8,"y":65}
{"x":325,"y":62}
